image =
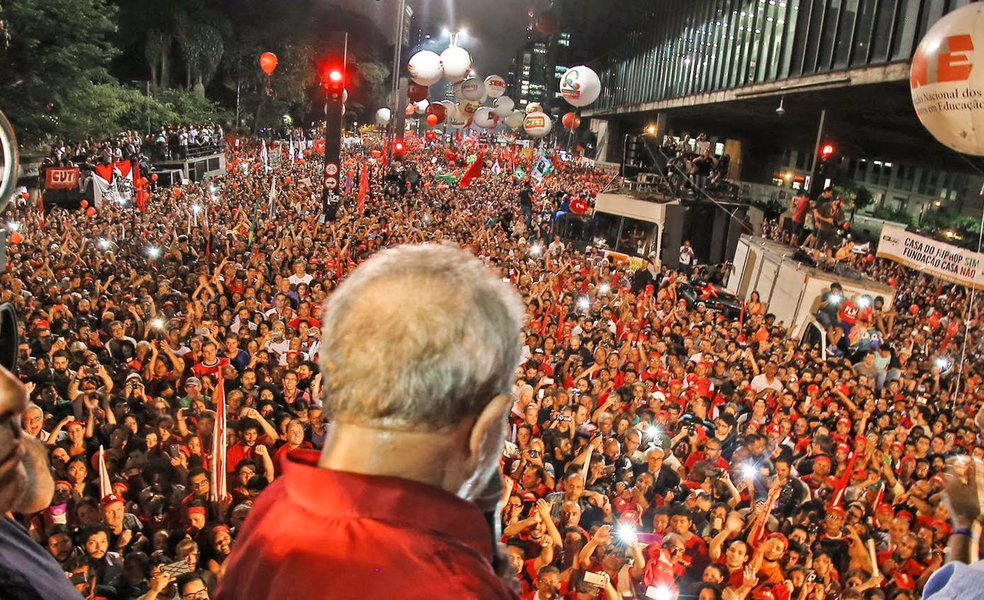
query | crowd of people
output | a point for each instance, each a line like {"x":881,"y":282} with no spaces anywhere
{"x":655,"y":450}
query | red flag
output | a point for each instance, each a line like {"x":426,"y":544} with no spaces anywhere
{"x":844,"y":480}
{"x":475,"y":170}
{"x":580,"y":149}
{"x":363,"y":188}
{"x":218,"y":486}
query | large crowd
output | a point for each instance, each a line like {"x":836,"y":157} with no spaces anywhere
{"x":655,"y":450}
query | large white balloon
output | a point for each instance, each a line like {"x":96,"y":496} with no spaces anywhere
{"x":515,"y":119}
{"x":383,"y":116}
{"x":495,"y":86}
{"x":485,"y":118}
{"x":946,"y":84}
{"x":422,"y":106}
{"x":457,"y":62}
{"x":473,"y":89}
{"x":449,"y":107}
{"x":502,"y":106}
{"x":425,"y":68}
{"x":537,"y":124}
{"x":580,"y":86}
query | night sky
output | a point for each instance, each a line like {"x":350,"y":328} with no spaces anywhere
{"x":497,"y":28}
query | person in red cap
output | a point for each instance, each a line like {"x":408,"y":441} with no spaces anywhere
{"x":411,"y":464}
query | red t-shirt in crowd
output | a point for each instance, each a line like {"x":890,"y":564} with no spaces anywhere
{"x":318,"y":533}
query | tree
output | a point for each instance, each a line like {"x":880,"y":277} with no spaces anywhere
{"x":58,"y":52}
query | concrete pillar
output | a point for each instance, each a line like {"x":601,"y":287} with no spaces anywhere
{"x":662,"y":127}
{"x":734,"y":148}
{"x":603,"y":140}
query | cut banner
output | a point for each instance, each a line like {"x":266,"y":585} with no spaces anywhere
{"x":939,"y":259}
{"x":113,"y":182}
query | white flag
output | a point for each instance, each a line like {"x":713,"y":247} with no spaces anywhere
{"x":263,"y":155}
{"x":496,"y":168}
{"x":273,"y":198}
{"x":290,"y":150}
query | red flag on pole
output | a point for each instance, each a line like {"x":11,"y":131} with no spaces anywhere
{"x":473,"y":171}
{"x":218,"y":484}
{"x":363,"y":188}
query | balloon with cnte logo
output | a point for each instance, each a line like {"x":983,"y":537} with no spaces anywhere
{"x":946,"y":80}
{"x":580,"y":86}
{"x":425,"y":68}
{"x":533,"y":107}
{"x":537,"y":124}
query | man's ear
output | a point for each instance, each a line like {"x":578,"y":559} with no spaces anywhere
{"x":488,"y":430}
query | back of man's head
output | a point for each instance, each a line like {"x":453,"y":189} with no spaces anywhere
{"x":418,"y":338}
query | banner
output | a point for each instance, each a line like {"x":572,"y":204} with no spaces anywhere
{"x":58,"y":178}
{"x":939,"y":259}
{"x":113,"y":182}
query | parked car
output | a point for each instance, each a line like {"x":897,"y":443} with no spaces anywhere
{"x":713,"y":297}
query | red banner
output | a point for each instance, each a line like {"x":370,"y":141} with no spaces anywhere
{"x":56,"y":178}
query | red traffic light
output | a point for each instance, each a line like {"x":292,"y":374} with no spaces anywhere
{"x":398,"y":146}
{"x":826,"y":151}
{"x":335,"y":75}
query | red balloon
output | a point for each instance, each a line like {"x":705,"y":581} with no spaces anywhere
{"x":268,"y":62}
{"x":417,"y":92}
{"x":85,"y":204}
{"x":16,"y":238}
{"x":914,"y":310}
{"x":153,"y":177}
{"x":432,"y":120}
{"x":438,"y":111}
{"x":571,"y":121}
{"x":377,"y":153}
{"x":351,"y":173}
{"x":547,"y":23}
{"x":143,"y":181}
{"x":177,"y":192}
{"x":90,"y":212}
{"x":25,"y":195}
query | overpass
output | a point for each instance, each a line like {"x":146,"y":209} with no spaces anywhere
{"x":726,"y":66}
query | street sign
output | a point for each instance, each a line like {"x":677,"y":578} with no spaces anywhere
{"x":331,"y":169}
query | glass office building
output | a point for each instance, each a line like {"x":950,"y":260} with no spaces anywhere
{"x":696,"y":47}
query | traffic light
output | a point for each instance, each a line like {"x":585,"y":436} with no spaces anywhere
{"x":333,"y":80}
{"x":398,"y":149}
{"x":823,"y":169}
{"x":826,"y":151}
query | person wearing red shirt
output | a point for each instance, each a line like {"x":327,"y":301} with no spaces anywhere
{"x":417,"y":354}
{"x":211,"y":363}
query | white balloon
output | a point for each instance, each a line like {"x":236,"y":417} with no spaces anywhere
{"x":495,"y":86}
{"x":421,"y":106}
{"x":456,"y":90}
{"x":469,"y":108}
{"x":473,"y":89}
{"x":533,"y":107}
{"x":449,"y":107}
{"x":537,"y":124}
{"x":457,"y":119}
{"x":425,"y":68}
{"x":456,"y":62}
{"x":515,"y":119}
{"x":485,"y":118}
{"x":580,"y":86}
{"x":502,"y":106}
{"x":383,"y":116}
{"x":945,"y":81}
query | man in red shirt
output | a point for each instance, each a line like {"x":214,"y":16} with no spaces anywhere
{"x":417,"y":354}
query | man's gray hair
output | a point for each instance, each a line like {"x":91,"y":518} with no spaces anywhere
{"x":419,"y":337}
